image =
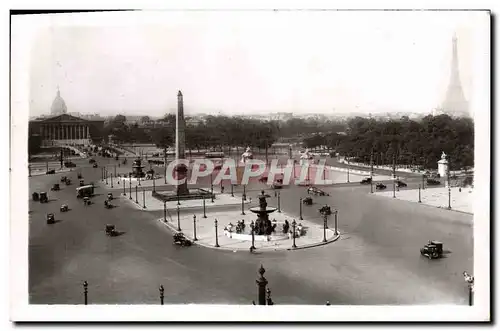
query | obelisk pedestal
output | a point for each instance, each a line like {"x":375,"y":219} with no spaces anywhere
{"x":180,"y":146}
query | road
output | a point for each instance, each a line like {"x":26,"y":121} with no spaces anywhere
{"x":377,"y":261}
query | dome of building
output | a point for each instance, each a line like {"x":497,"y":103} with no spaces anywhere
{"x":58,"y":105}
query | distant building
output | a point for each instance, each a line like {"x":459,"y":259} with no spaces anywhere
{"x":63,"y":129}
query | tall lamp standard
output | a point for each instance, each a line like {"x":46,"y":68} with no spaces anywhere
{"x":300,"y":210}
{"x":178,"y":219}
{"x":216,"y":234}
{"x":194,"y":228}
{"x":470,"y":284}
{"x":294,"y":224}
{"x":130,"y":186}
{"x":252,"y":227}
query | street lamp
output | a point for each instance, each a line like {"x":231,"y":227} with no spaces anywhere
{"x":232,"y":192}
{"x":111,"y":175}
{"x":164,"y":211}
{"x":294,"y":224}
{"x":154,"y":184}
{"x":325,"y":217}
{"x":449,"y":196}
{"x":136,"y":200}
{"x":336,"y":222}
{"x":419,"y":195}
{"x":300,"y":210}
{"x":194,"y":227}
{"x":242,"y":206}
{"x":85,"y":291}
{"x":244,"y":192}
{"x":143,"y":198}
{"x":178,"y":219}
{"x":470,"y":284}
{"x":252,"y":227}
{"x":162,"y":290}
{"x":204,"y":210}
{"x":216,"y":235}
{"x":130,"y":186}
{"x":279,"y":202}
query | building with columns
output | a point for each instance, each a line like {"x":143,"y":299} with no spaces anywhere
{"x":64,"y":129}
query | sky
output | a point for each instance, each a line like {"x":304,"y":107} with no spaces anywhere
{"x":241,"y":62}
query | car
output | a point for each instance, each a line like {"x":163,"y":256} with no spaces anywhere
{"x":433,"y":250}
{"x":307,"y":201}
{"x":94,"y":165}
{"x":366,"y":181}
{"x":68,"y":181}
{"x":86,"y":201}
{"x":35,"y":196}
{"x":110,"y":230}
{"x":64,"y":208}
{"x":43,"y":197}
{"x":316,"y":191}
{"x":69,"y":164}
{"x":50,"y":172}
{"x":63,"y":179}
{"x":91,"y":161}
{"x":107,"y":204}
{"x":432,"y":181}
{"x":401,"y":184}
{"x":110,"y":196}
{"x":51,"y":218}
{"x":55,"y":187}
{"x":380,"y":186}
{"x":116,"y":158}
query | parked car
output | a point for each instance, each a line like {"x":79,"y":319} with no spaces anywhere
{"x":55,"y":187}
{"x":91,"y":161}
{"x":307,"y":201}
{"x":50,"y":172}
{"x":63,"y":179}
{"x":51,"y":219}
{"x":432,"y":181}
{"x":380,"y":186}
{"x":35,"y":196}
{"x":69,"y":164}
{"x":43,"y":197}
{"x":401,"y":184}
{"x":94,"y":165}
{"x":433,"y":250}
{"x":64,"y":208}
{"x":366,"y":181}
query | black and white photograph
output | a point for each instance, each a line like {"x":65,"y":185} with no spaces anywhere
{"x":332,"y":164}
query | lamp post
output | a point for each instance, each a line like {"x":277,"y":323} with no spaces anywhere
{"x":470,"y":284}
{"x":211,"y":186}
{"x":194,"y":227}
{"x":242,"y":206}
{"x":154,"y":184}
{"x":162,"y":291}
{"x":325,"y":217}
{"x":115,"y":169}
{"x":178,"y":219}
{"x":261,"y":284}
{"x":204,"y":210}
{"x":449,"y":196}
{"x":111,"y":175}
{"x":423,"y":181}
{"x":85,"y":291}
{"x":164,"y":211}
{"x":252,"y":227}
{"x":300,"y":210}
{"x":143,"y":198}
{"x":279,"y":202}
{"x":216,"y":234}
{"x":136,"y":200}
{"x":139,"y":179}
{"x":232,"y":191}
{"x":244,"y":192}
{"x":178,"y":199}
{"x":419,"y":195}
{"x":106,"y":173}
{"x":124,"y":191}
{"x":394,"y":187}
{"x":130,"y":186}
{"x":294,"y":224}
{"x":336,"y":222}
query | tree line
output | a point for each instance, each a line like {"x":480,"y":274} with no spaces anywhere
{"x":404,"y":141}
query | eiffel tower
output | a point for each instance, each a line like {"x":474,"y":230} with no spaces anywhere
{"x":455,"y":102}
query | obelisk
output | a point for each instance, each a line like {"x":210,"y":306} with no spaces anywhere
{"x":180,"y":145}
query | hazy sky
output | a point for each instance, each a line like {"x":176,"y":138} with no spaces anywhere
{"x":242,"y":62}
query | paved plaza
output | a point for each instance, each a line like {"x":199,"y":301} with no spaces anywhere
{"x":462,"y":199}
{"x":379,"y":236}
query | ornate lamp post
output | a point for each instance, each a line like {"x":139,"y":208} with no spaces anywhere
{"x":419,"y":197}
{"x":178,"y":219}
{"x":124,"y":191}
{"x":136,"y":197}
{"x":336,"y":222}
{"x":130,"y":186}
{"x":279,"y":202}
{"x":244,"y":192}
{"x":111,"y":180}
{"x":164,"y":211}
{"x":204,"y":210}
{"x":162,"y":291}
{"x":178,"y":199}
{"x":300,"y":210}
{"x":261,"y":284}
{"x":85,"y":291}
{"x":106,"y":173}
{"x":394,"y":187}
{"x":294,"y":224}
{"x":154,"y":184}
{"x":194,"y":227}
{"x":449,"y":196}
{"x":242,"y":206}
{"x":252,"y":227}
{"x":470,"y":283}
{"x":325,"y":219}
{"x":143,"y":198}
{"x":216,"y":234}
{"x":232,"y":190}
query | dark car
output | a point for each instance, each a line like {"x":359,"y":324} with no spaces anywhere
{"x":380,"y":186}
{"x":63,"y":179}
{"x":50,"y":172}
{"x":69,"y":164}
{"x":432,"y":181}
{"x":91,"y":161}
{"x":55,"y":187}
{"x":94,"y":165}
{"x":433,"y":250}
{"x":43,"y":197}
{"x":366,"y":181}
{"x":401,"y":184}
{"x":50,"y":219}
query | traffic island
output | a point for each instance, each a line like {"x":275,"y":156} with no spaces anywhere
{"x":218,"y":231}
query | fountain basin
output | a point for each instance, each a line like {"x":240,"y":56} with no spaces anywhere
{"x":258,"y":210}
{"x":248,"y":237}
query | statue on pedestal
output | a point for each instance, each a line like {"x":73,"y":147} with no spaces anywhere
{"x":248,"y":155}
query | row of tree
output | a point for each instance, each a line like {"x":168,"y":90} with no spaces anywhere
{"x":405,"y":141}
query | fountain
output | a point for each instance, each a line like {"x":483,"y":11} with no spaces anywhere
{"x":248,"y":155}
{"x":137,"y":169}
{"x":263,"y":224}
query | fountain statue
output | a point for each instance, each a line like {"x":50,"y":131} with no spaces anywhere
{"x":305,"y":157}
{"x":248,"y":155}
{"x":263,"y":225}
{"x":137,"y":169}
